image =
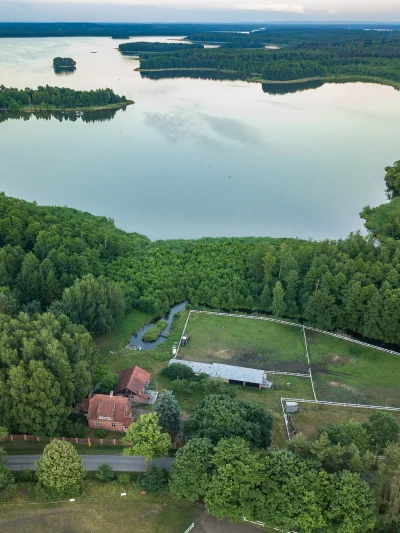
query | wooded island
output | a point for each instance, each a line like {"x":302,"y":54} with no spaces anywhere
{"x":59,"y":99}
{"x":143,"y":47}
{"x":64,"y":64}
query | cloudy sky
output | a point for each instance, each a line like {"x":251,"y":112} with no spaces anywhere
{"x":199,"y":10}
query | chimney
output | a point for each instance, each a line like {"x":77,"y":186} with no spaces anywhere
{"x":111,"y":394}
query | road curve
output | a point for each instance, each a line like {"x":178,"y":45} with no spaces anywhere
{"x":119,"y":463}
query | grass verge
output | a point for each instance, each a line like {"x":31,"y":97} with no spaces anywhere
{"x":100,"y":509}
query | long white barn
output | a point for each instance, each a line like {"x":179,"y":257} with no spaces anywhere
{"x":229,"y":373}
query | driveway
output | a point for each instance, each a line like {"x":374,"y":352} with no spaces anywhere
{"x":119,"y":463}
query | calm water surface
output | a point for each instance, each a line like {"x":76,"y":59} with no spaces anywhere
{"x":195,"y":157}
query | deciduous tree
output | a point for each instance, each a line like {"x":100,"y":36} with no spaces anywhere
{"x":60,"y":469}
{"x":147,"y":438}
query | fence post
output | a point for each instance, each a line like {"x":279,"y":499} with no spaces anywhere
{"x":24,"y":437}
{"x":114,"y":442}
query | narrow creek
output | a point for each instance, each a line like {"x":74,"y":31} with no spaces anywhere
{"x":136,"y":339}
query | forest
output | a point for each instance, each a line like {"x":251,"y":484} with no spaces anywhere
{"x":284,"y":64}
{"x":52,"y":98}
{"x":136,"y":47}
{"x":62,"y":64}
{"x":65,"y":274}
{"x":310,"y":52}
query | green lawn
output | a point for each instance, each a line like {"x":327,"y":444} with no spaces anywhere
{"x":311,"y":416}
{"x":357,"y":374}
{"x":20,"y":447}
{"x":244,"y":342}
{"x":102,"y":509}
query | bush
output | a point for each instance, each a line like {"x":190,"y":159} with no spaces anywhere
{"x":124,"y":479}
{"x":154,"y":480}
{"x":75,"y":429}
{"x":25,"y":476}
{"x":178,"y":371}
{"x":102,"y":433}
{"x":105,"y":473}
{"x":217,"y":386}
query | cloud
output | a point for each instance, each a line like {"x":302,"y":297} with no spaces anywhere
{"x":276,"y":8}
{"x":332,"y":12}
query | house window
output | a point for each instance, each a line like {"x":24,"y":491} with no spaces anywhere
{"x":97,"y":423}
{"x":125,"y":428}
{"x":113,"y":424}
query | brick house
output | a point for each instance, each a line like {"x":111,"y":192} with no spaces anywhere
{"x":113,"y":413}
{"x":133,"y":384}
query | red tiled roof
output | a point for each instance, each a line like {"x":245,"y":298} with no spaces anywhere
{"x":133,"y":379}
{"x":117,"y":408}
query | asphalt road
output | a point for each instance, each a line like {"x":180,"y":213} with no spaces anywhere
{"x":119,"y":463}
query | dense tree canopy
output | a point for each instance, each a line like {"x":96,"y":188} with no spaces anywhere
{"x":61,"y":64}
{"x":142,"y":47}
{"x":46,"y":365}
{"x":56,"y":97}
{"x":219,"y":416}
{"x":93,"y":302}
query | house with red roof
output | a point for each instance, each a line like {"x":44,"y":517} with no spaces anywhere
{"x":113,"y":413}
{"x":133,"y":384}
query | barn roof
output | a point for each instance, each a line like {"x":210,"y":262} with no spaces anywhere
{"x":133,"y":379}
{"x":115,"y":408}
{"x":218,"y":370}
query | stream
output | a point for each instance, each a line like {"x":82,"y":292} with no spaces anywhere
{"x":136,"y":339}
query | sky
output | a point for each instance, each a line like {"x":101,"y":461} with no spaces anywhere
{"x":199,"y":10}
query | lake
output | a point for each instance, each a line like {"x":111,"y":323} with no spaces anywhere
{"x":198,"y":157}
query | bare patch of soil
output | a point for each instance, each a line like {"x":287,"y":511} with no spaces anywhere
{"x":337,"y":384}
{"x":223,"y":354}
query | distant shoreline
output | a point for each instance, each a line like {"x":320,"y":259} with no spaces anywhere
{"x":252,"y":79}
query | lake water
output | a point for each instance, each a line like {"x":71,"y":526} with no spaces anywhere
{"x":196,"y":157}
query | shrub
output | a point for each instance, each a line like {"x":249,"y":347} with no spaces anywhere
{"x":124,"y":479}
{"x":101,"y":433}
{"x":154,"y":480}
{"x":217,"y":386}
{"x":105,"y":473}
{"x":178,"y":371}
{"x":75,"y":429}
{"x":25,"y":475}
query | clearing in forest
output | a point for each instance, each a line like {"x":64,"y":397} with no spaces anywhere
{"x":347,"y":372}
{"x":245,"y":342}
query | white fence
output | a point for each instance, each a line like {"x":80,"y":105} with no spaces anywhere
{"x":357,"y":405}
{"x":276,"y":372}
{"x":285,"y":322}
{"x":189,"y":529}
{"x":321,"y":402}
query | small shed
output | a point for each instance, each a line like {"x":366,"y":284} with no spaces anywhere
{"x":292,"y":407}
{"x":185,"y":339}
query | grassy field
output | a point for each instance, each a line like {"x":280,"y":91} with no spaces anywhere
{"x":101,"y":509}
{"x":311,"y":416}
{"x":347,"y":372}
{"x":244,"y":342}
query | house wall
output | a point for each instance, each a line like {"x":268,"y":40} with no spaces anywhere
{"x":107,"y":425}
